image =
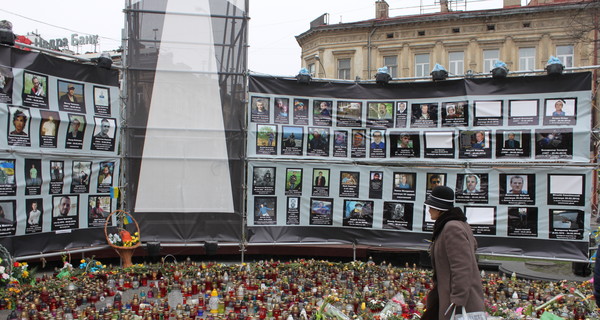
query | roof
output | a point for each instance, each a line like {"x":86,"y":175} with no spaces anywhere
{"x":447,"y":16}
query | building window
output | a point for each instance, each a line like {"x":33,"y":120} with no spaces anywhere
{"x":421,"y":33}
{"x":526,"y":59}
{"x":312,"y":69}
{"x":565,"y":54}
{"x":491,"y":27}
{"x":344,"y":69}
{"x":421,"y":65}
{"x":489,"y":58}
{"x":457,"y":62}
{"x":392,"y":63}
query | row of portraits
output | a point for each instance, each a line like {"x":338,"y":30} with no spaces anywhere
{"x":562,"y":189}
{"x":521,"y":221}
{"x":547,"y":143}
{"x":39,"y":91}
{"x":26,"y":127}
{"x":39,"y":177}
{"x":402,"y":114}
{"x":59,"y":212}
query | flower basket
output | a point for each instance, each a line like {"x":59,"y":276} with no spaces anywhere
{"x":126,"y":250}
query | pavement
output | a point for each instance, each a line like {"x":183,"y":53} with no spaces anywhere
{"x":524,"y":270}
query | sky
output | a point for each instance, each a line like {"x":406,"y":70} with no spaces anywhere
{"x":272,"y":28}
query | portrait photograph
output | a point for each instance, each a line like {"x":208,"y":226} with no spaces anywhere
{"x":380,"y":114}
{"x":321,"y":211}
{"x":398,"y":215}
{"x":292,"y":139}
{"x":349,"y":114}
{"x":561,"y":111}
{"x":35,"y":90}
{"x":513,"y":143}
{"x":282,"y":110}
{"x":6,"y":84}
{"x":401,"y":114}
{"x":358,"y":213}
{"x":265,"y":210}
{"x":301,"y":111}
{"x":455,"y":114}
{"x":322,"y":112}
{"x":259,"y":109}
{"x":424,"y":115}
{"x":71,"y":96}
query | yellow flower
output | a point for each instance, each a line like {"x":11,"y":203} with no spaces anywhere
{"x":24,"y":264}
{"x":25,"y":274}
{"x":82,"y":261}
{"x":98,"y":263}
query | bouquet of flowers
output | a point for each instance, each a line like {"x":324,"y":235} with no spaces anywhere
{"x":19,"y":273}
{"x":124,"y":238}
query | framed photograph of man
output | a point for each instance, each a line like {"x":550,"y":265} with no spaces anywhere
{"x":6,"y":84}
{"x":471,"y":188}
{"x":340,"y":143}
{"x":102,"y":101}
{"x":263,"y":180}
{"x":358,"y":213}
{"x":292,"y":139}
{"x":265,"y":210}
{"x":560,"y":111}
{"x":35,"y":90}
{"x":71,"y":96}
{"x":377,"y":146}
{"x":320,"y":186}
{"x":301,"y":111}
{"x":380,"y":114}
{"x":349,"y":114}
{"x":266,"y":139}
{"x":376,"y":184}
{"x":488,"y":113}
{"x":358,"y":148}
{"x":404,"y":186}
{"x":321,"y":211}
{"x":282,"y":110}
{"x":405,"y":145}
{"x":439,"y":144}
{"x":398,"y":215}
{"x":554,"y":143}
{"x":318,"y":142}
{"x":566,"y":189}
{"x":33,"y":177}
{"x":75,"y":132}
{"x":105,"y":176}
{"x":475,"y":144}
{"x":424,"y":115}
{"x":522,"y":222}
{"x":65,"y":212}
{"x":517,"y":188}
{"x":259,"y":109}
{"x":322,"y":113}
{"x":8,"y":220}
{"x":50,"y":122}
{"x":99,"y":207}
{"x":523,"y":112}
{"x":293,"y":211}
{"x":401,"y":114}
{"x":455,"y":114}
{"x":19,"y":124}
{"x":104,"y":134}
{"x":513,"y":143}
{"x":57,"y":174}
{"x":566,"y":224}
{"x":81,"y":174}
{"x":293,"y":181}
{"x":434,"y":180}
{"x":34,"y":209}
{"x":349,"y":184}
{"x":481,"y":219}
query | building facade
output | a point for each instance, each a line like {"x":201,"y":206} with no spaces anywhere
{"x":464,"y":42}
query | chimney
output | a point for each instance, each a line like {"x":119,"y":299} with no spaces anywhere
{"x":444,"y":6}
{"x":512,"y":3}
{"x":382,"y":9}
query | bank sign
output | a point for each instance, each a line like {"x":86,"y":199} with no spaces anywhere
{"x":76,"y":40}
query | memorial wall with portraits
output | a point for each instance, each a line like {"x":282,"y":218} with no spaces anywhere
{"x":59,"y":151}
{"x":365,"y":156}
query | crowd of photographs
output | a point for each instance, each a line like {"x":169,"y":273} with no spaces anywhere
{"x":533,"y":203}
{"x":60,"y":157}
{"x":523,"y":128}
